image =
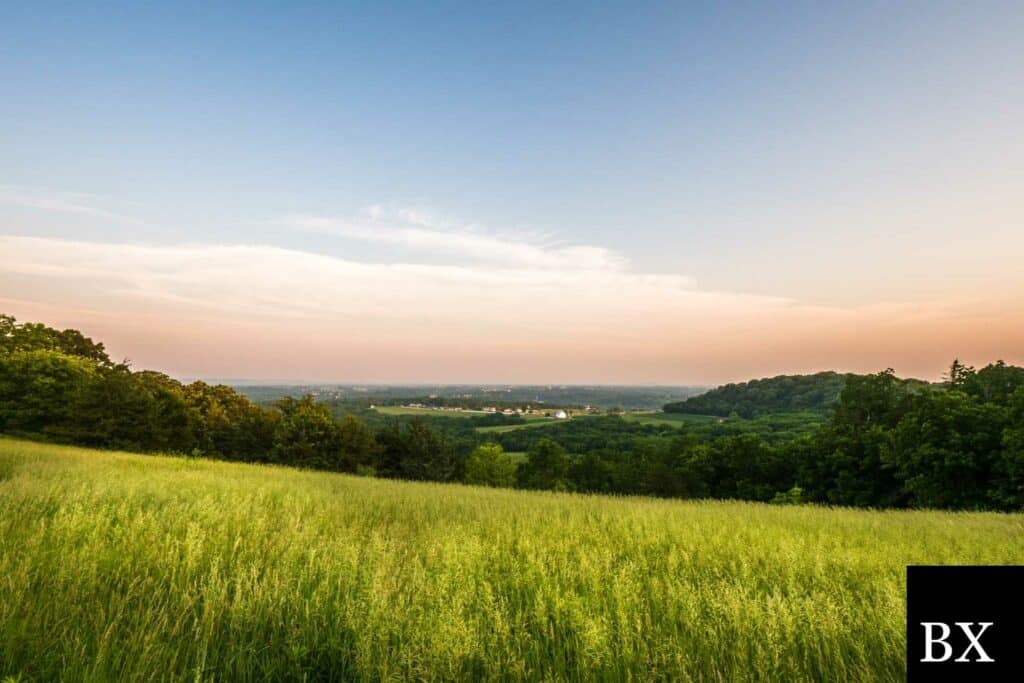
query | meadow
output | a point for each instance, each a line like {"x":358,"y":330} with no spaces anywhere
{"x":430,"y":412}
{"x":656,"y":417}
{"x":435,"y":412}
{"x":125,"y":567}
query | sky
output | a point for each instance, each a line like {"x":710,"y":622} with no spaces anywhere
{"x":682,"y":193}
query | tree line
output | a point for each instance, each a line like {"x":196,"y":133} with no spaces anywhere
{"x":886,"y":442}
{"x":784,"y":393}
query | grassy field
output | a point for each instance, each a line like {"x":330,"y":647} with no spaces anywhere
{"x":125,"y":567}
{"x":406,"y":410}
{"x":529,"y":424}
{"x":671,"y":419}
{"x":530,"y":420}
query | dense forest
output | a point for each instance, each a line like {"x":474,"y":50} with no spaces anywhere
{"x":784,"y":393}
{"x":885,"y":442}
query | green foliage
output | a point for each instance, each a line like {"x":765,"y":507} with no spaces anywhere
{"x":228,"y":425}
{"x":546,"y":467}
{"x":946,"y":449}
{"x":995,"y":383}
{"x":39,"y":390}
{"x":16,"y":337}
{"x":412,"y":450}
{"x":488,"y":465}
{"x":845,"y":464}
{"x":359,"y":447}
{"x":794,"y":496}
{"x":785,"y":393}
{"x":307,"y":435}
{"x":119,"y":567}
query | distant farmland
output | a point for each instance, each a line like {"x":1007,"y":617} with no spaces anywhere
{"x":672,"y":419}
{"x":437,"y":412}
{"x":433,"y":412}
{"x":127,"y":567}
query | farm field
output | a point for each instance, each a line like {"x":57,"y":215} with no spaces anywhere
{"x":406,"y":410}
{"x":433,"y":412}
{"x":126,"y":567}
{"x":671,"y":419}
{"x":530,"y":424}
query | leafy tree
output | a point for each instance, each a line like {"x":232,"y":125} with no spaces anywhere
{"x":995,"y":383}
{"x":132,"y":411}
{"x":229,"y":425}
{"x":593,"y":473}
{"x":681,"y":468}
{"x":16,"y":336}
{"x":546,"y":467}
{"x":958,"y":374}
{"x":413,"y":450}
{"x":359,"y":447}
{"x":793,"y":496}
{"x":847,"y":464}
{"x":307,"y":435}
{"x":945,"y":449}
{"x":39,"y":390}
{"x":488,"y":465}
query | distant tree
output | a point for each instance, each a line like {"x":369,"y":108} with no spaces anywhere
{"x":794,"y":496}
{"x":40,"y":389}
{"x":592,"y":473}
{"x":784,"y":393}
{"x":16,"y":336}
{"x":958,"y":374}
{"x":359,"y":447}
{"x":132,"y":411}
{"x":489,"y":465}
{"x":546,"y":467}
{"x":746,"y":468}
{"x":229,"y":425}
{"x":680,"y":468}
{"x":847,"y":465}
{"x":994,"y":383}
{"x":307,"y":435}
{"x":412,"y":450}
{"x":946,"y":449}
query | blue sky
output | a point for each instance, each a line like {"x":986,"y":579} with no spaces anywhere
{"x":823,"y":158}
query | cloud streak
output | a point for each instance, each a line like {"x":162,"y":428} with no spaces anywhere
{"x":78,"y":203}
{"x":418,"y":230}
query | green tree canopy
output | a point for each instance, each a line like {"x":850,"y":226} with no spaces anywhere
{"x":488,"y":465}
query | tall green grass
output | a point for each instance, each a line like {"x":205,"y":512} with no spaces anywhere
{"x":124,"y":567}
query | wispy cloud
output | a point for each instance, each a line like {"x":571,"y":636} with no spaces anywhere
{"x":272,"y":281}
{"x":420,"y":230}
{"x":80,"y":203}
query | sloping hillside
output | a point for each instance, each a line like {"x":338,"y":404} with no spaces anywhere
{"x":785,"y":393}
{"x":123,"y":567}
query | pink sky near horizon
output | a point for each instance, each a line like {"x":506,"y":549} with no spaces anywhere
{"x":269,"y":314}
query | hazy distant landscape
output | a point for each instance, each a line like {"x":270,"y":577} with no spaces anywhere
{"x":621,"y":397}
